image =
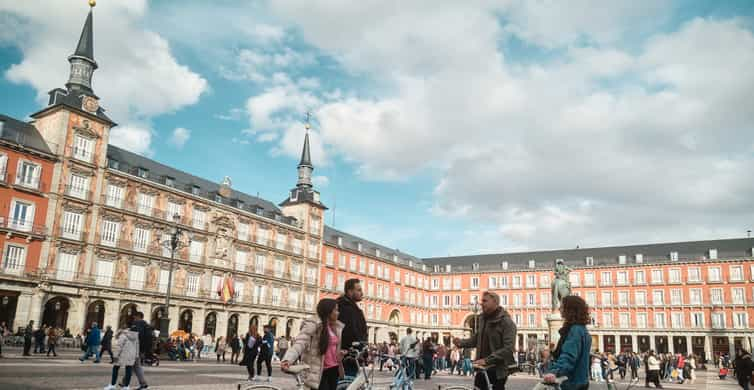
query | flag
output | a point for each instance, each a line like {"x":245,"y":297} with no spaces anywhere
{"x":226,"y":288}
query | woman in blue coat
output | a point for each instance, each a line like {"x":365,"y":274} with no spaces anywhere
{"x":571,"y":357}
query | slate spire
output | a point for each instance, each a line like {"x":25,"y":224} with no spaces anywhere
{"x":305,"y":166}
{"x":82,"y":60}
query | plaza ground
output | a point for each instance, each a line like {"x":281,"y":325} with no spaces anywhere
{"x":66,"y":372}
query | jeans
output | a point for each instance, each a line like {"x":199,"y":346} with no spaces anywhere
{"x":91,"y":350}
{"x":427,"y":367}
{"x":467,"y":366}
{"x":126,"y":378}
{"x":139,"y":370}
{"x":265,"y":357}
{"x":51,"y":348}
{"x":410,"y":364}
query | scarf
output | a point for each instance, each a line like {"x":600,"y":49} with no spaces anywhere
{"x":563,"y":333}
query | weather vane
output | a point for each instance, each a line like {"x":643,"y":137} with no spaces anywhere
{"x":308,"y":117}
{"x":92,"y":3}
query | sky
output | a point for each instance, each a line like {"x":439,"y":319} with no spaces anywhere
{"x":440,"y":127}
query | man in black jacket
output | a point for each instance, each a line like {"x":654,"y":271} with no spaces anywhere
{"x":355,"y":324}
{"x":145,"y":347}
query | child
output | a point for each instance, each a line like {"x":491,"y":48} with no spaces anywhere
{"x":126,"y":353}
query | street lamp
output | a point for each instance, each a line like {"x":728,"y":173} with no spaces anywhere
{"x":173,"y":243}
{"x":475,"y":308}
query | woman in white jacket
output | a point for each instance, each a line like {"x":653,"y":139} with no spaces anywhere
{"x":125,"y":354}
{"x":318,"y":346}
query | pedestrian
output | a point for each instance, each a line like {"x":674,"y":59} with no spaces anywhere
{"x":467,"y":366}
{"x":3,"y":334}
{"x":107,"y":343}
{"x":409,"y":353}
{"x":39,"y":339}
{"x":571,"y":356}
{"x":220,"y":348}
{"x":199,"y":348}
{"x":743,"y":365}
{"x":27,"y":338}
{"x":318,"y":346}
{"x":235,"y":348}
{"x":266,"y":349}
{"x":126,"y":355}
{"x":597,"y":367}
{"x":455,"y":358}
{"x":653,"y":370}
{"x":145,"y":347}
{"x":251,"y":343}
{"x":545,"y":362}
{"x":691,"y":364}
{"x":384,"y":350}
{"x":93,"y":340}
{"x":634,"y":363}
{"x":352,"y":316}
{"x":428,"y":351}
{"x":52,"y":341}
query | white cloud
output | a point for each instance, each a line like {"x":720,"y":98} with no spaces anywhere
{"x":320,"y":181}
{"x":135,"y":138}
{"x":179,"y":137}
{"x":138,"y":76}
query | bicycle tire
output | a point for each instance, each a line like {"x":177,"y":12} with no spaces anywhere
{"x":343,"y":385}
{"x":460,"y":387}
{"x":260,"y":387}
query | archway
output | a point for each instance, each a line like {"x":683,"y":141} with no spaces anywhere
{"x":8,"y":302}
{"x":288,"y":327}
{"x":210,"y":322}
{"x":273,"y":324}
{"x":157,"y":313}
{"x":127,"y":315}
{"x":470,"y":322}
{"x":395,"y":317}
{"x":56,"y":312}
{"x":232,"y":326}
{"x":187,"y":317}
{"x":254,"y":323}
{"x":393,"y":337}
{"x":95,"y":312}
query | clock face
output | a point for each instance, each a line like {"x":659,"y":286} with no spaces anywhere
{"x":90,"y":104}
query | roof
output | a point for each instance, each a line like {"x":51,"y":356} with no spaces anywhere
{"x":85,"y":48}
{"x":73,"y":100}
{"x":130,"y":163}
{"x":306,"y":159}
{"x":22,"y":133}
{"x":688,"y":251}
{"x":350,"y":242}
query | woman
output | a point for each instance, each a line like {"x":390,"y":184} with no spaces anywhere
{"x":251,"y":344}
{"x":318,"y":346}
{"x":691,"y":367}
{"x":126,"y":353}
{"x":596,"y":368}
{"x":653,"y":370}
{"x":572,"y":356}
{"x":220,"y":348}
{"x":743,"y":366}
{"x":52,"y":341}
{"x":428,"y":351}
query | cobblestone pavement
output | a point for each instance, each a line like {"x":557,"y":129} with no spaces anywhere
{"x":66,"y":372}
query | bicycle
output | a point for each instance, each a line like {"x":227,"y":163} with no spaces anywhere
{"x":299,"y":371}
{"x":401,"y":379}
{"x":483,"y":370}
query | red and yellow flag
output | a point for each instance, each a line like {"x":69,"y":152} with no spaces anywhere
{"x":226,"y":288}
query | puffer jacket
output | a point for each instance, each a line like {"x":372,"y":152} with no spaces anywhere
{"x":306,"y":347}
{"x":126,"y":347}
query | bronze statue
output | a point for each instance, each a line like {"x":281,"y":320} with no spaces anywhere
{"x":561,"y":286}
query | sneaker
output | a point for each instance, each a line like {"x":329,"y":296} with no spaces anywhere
{"x":109,"y":387}
{"x":142,"y":387}
{"x":255,"y":379}
{"x":251,"y":379}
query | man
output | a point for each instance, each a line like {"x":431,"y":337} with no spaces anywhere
{"x":235,"y":348}
{"x":27,"y":338}
{"x":409,"y":351}
{"x":39,"y":339}
{"x":353,"y":318}
{"x":145,"y":346}
{"x":93,"y":340}
{"x":493,"y":339}
{"x":107,"y":343}
{"x":265,"y":352}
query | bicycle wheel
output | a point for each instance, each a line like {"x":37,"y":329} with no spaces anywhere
{"x":259,"y":387}
{"x":459,"y":387}
{"x":343,"y":385}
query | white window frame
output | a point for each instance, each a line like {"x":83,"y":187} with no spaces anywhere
{"x":14,"y":259}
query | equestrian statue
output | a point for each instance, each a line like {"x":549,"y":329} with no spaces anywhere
{"x":561,"y":286}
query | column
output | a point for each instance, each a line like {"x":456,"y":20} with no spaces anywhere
{"x":35,"y":308}
{"x":708,"y":348}
{"x":731,"y":347}
{"x":221,"y":324}
{"x":23,"y":311}
{"x":197,"y":325}
{"x":652,"y":345}
{"x":617,"y":347}
{"x":174,"y":314}
{"x":111,"y":313}
{"x":600,"y":342}
{"x":76,"y":315}
{"x":689,"y":344}
{"x":635,"y":343}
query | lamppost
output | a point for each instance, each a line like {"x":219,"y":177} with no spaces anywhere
{"x":475,"y":308}
{"x":174,"y":244}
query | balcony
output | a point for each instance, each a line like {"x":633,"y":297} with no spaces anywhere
{"x":80,"y":154}
{"x":27,"y":183}
{"x":199,"y":224}
{"x":78,"y":192}
{"x":22,"y":226}
{"x":72,"y":234}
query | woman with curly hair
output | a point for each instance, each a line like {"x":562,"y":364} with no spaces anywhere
{"x":571,"y":357}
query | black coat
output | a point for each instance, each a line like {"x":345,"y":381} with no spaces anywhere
{"x":250,"y":353}
{"x":107,"y":339}
{"x":355,"y":324}
{"x":744,"y":367}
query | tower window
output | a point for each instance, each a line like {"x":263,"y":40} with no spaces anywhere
{"x":218,"y":198}
{"x":113,"y":164}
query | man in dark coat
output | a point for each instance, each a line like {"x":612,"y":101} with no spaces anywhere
{"x":27,"y":338}
{"x":355,"y":324}
{"x":107,"y":343}
{"x":744,"y":367}
{"x":145,"y":347}
{"x":494,"y":341}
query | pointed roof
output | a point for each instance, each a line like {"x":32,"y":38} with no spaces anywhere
{"x":85,"y":48}
{"x":306,"y":159}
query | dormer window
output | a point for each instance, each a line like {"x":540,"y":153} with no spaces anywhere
{"x":713,"y":254}
{"x":218,"y":198}
{"x":294,"y":195}
{"x":589,"y":260}
{"x":448,"y":268}
{"x":621,"y":259}
{"x":475,"y":266}
{"x":240,"y":204}
{"x":437,"y":268}
{"x":142,"y":172}
{"x":532,"y":264}
{"x":424,"y":268}
{"x":410,"y":263}
{"x":277,"y":217}
{"x":340,"y":241}
{"x":195,"y":190}
{"x":259,"y":211}
{"x":358,"y":246}
{"x":169,"y":181}
{"x":113,"y":164}
{"x":639,"y":258}
{"x":395,"y":258}
{"x":504,"y":265}
{"x":377,"y":252}
{"x":673,"y":256}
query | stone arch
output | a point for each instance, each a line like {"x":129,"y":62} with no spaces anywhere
{"x":158,"y":312}
{"x":186,"y":320}
{"x":395,"y":317}
{"x":288,"y":327}
{"x":254,"y":323}
{"x":95,"y":312}
{"x":273,"y":324}
{"x":127,"y":313}
{"x":210,"y":324}
{"x":469,"y":322}
{"x":232,"y":329}
{"x":56,"y":311}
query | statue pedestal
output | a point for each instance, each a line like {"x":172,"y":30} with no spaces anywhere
{"x":554,"y":323}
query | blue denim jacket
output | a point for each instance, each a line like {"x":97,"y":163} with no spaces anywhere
{"x":574,"y":358}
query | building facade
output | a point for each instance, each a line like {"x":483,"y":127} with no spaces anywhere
{"x":88,"y":229}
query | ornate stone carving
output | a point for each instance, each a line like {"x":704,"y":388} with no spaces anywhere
{"x":561,"y":286}
{"x":69,"y":249}
{"x":121,"y":270}
{"x":143,"y":225}
{"x":152,"y":276}
{"x":85,"y":130}
{"x":74,"y":207}
{"x":202,"y":207}
{"x":176,"y":200}
{"x":223,"y":241}
{"x":112,"y":217}
{"x":116,"y":181}
{"x":106,"y":255}
{"x":79,"y":170}
{"x":147,"y":190}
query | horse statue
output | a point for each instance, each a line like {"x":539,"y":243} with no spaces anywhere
{"x":561,"y":286}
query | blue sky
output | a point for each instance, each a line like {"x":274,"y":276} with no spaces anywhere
{"x":440,"y":128}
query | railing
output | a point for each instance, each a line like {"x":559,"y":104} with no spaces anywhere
{"x":33,"y":184}
{"x":4,"y":175}
{"x":72,"y":234}
{"x":199,"y":224}
{"x":78,"y":192}
{"x":80,"y":154}
{"x":22,"y":226}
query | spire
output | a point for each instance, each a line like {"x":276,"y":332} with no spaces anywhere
{"x":305,"y":166}
{"x":82,"y":60}
{"x":306,"y":159}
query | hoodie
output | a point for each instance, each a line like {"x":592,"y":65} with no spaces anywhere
{"x":127,"y":347}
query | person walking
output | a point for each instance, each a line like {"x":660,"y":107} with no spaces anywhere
{"x":39,"y":339}
{"x":251,"y":343}
{"x":266,"y":349}
{"x":744,"y":366}
{"x":634,"y":363}
{"x":126,"y":355}
{"x":220,"y":348}
{"x":597,"y":367}
{"x":494,"y":341}
{"x":409,"y":352}
{"x":28,"y":332}
{"x":353,"y":319}
{"x":52,"y":341}
{"x":318,"y":346}
{"x":653,"y":370}
{"x":428,"y":351}
{"x":572,"y":353}
{"x":93,"y":340}
{"x":691,"y":364}
{"x":235,"y":348}
{"x":107,"y":343}
{"x":3,"y":334}
{"x":145,"y":347}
